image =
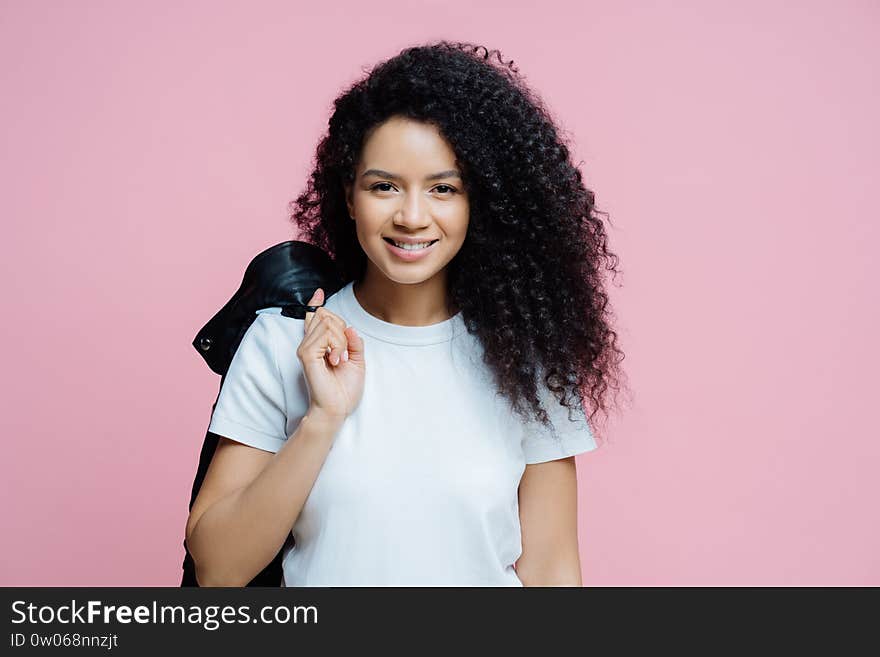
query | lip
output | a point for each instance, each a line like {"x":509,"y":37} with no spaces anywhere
{"x":410,"y":240}
{"x":410,"y":256}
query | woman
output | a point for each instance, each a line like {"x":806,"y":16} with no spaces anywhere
{"x":420,"y":427}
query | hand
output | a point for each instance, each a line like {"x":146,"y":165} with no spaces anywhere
{"x":335,"y":377}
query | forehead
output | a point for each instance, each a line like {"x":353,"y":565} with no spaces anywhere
{"x":401,"y":143}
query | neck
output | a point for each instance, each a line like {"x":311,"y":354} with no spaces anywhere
{"x":405,"y":304}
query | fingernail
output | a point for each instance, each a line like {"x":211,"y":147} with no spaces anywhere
{"x":335,"y":360}
{"x":345,"y":355}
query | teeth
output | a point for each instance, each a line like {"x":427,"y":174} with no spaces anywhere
{"x":412,"y":247}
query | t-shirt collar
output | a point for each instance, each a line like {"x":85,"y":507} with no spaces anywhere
{"x":396,"y":333}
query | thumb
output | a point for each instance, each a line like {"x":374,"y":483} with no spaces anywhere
{"x":355,"y":345}
{"x":316,"y":300}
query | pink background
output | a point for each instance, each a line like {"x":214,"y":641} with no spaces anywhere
{"x":150,"y":149}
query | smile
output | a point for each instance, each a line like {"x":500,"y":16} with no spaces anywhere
{"x":409,"y":252}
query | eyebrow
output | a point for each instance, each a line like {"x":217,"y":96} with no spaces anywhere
{"x":451,"y":173}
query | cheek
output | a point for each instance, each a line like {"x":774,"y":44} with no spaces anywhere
{"x":369,"y":219}
{"x":453,"y":218}
{"x":367,"y":207}
{"x":459,"y":226}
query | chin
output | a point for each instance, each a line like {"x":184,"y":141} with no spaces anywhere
{"x":408,"y":273}
{"x":408,"y":278}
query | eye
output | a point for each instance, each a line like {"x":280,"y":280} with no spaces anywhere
{"x":452,"y":190}
{"x":382,"y":183}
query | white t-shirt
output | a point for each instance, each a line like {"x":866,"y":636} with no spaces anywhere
{"x":420,"y":485}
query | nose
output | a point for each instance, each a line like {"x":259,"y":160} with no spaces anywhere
{"x":412,"y":215}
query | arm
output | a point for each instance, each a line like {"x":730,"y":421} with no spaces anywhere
{"x":250,"y":500}
{"x":548,"y":517}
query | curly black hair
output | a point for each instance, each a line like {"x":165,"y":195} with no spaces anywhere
{"x":528,"y":279}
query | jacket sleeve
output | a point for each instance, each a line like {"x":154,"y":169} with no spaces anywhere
{"x":251,"y":406}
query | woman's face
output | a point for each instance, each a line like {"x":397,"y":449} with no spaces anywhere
{"x":408,"y":188}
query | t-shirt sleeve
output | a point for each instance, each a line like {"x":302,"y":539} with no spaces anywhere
{"x":251,"y":407}
{"x":565,"y":438}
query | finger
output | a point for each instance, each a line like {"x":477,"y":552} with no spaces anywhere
{"x":339,"y":324}
{"x":336,"y":319}
{"x":355,"y":346}
{"x":316,"y":300}
{"x":325,"y":340}
{"x":336,"y":340}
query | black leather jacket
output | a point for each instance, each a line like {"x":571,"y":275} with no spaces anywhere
{"x":284,"y":275}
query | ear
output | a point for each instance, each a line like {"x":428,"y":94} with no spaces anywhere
{"x":348,"y":199}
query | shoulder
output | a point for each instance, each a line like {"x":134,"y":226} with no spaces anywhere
{"x":284,"y":330}
{"x":279,"y":329}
